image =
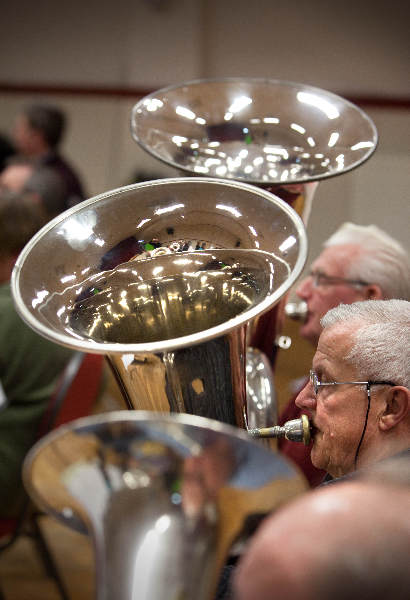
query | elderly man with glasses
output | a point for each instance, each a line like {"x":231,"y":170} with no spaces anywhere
{"x":358,"y":401}
{"x":358,"y":394}
{"x":350,"y":539}
{"x":357,"y":263}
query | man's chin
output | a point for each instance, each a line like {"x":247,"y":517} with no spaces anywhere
{"x":316,"y":455}
{"x":318,"y":462}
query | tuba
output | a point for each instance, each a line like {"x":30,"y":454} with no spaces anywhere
{"x":163,"y":498}
{"x":163,"y":278}
{"x":281,"y":136}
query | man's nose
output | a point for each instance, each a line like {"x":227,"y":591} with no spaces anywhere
{"x":304,"y":289}
{"x":306,"y":398}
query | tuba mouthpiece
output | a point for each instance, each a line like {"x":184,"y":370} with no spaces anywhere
{"x":296,"y":430}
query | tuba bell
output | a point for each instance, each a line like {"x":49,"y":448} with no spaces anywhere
{"x":163,"y":277}
{"x":282,"y":136}
{"x":163,"y":498}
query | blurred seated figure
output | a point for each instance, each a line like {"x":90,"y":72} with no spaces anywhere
{"x":346,"y":541}
{"x":38,"y":133}
{"x":16,"y":173}
{"x":357,"y":263}
{"x":29,"y":364}
{"x":23,"y":175}
{"x":7,"y":150}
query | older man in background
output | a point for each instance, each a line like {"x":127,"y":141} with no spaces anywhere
{"x":358,"y":263}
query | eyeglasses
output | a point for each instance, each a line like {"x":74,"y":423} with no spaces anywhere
{"x":321,"y":279}
{"x":314,"y":380}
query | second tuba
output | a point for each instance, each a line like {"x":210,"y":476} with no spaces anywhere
{"x":282,"y":136}
{"x":163,"y":277}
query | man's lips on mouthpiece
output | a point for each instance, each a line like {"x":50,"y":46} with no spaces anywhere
{"x":313,"y":429}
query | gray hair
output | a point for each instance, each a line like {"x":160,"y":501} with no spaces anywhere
{"x":381,"y":348}
{"x":382,"y":260}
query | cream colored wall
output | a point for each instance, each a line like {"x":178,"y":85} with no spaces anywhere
{"x":350,"y":48}
{"x":97,"y":42}
{"x":376,"y":193}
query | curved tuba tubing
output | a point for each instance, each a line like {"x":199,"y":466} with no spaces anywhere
{"x":261,"y":402}
{"x":163,"y":277}
{"x":163,"y":497}
{"x":281,"y":136}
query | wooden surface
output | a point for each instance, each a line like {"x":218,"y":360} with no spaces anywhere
{"x":22,"y":575}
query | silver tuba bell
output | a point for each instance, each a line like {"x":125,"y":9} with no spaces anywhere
{"x":261,"y":131}
{"x":163,"y":277}
{"x":163,"y":498}
{"x":282,"y":136}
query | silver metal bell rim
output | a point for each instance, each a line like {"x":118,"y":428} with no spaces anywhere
{"x":326,"y":135}
{"x":143,"y":417}
{"x":91,"y":346}
{"x":178,"y":427}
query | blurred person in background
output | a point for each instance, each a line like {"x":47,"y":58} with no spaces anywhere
{"x":38,"y":133}
{"x":7,"y":150}
{"x":29,"y":364}
{"x":357,"y":263}
{"x":23,"y":175}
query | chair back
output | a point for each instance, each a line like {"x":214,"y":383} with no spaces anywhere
{"x":76,"y":392}
{"x":75,"y":396}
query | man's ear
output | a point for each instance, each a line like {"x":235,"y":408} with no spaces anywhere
{"x":397,"y":407}
{"x":373,"y":292}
